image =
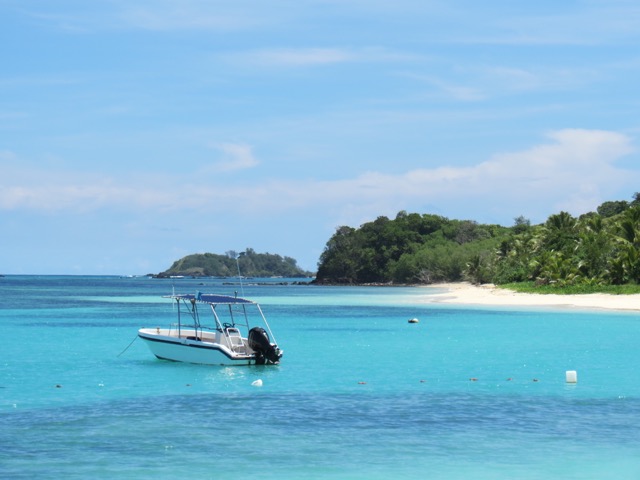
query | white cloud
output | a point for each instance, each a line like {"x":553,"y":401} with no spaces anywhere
{"x":236,"y":156}
{"x":575,"y":161}
{"x":295,"y":56}
{"x":315,"y":56}
{"x":575,"y":170}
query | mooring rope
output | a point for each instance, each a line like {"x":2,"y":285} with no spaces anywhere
{"x":134,"y":339}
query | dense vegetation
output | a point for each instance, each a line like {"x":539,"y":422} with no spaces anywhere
{"x":248,"y":263}
{"x":597,"y":249}
{"x":411,"y":248}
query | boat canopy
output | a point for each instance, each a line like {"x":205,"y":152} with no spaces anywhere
{"x":212,"y":299}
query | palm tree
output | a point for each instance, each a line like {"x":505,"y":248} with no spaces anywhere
{"x":475,"y":270}
{"x":593,"y":248}
{"x":629,"y":243}
{"x":559,"y":233}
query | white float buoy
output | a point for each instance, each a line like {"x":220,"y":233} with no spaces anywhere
{"x":257,"y":383}
{"x":572,"y":376}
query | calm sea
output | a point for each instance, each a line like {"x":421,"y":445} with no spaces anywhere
{"x":467,"y":393}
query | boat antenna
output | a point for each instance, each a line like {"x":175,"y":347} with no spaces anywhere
{"x":239,"y":274}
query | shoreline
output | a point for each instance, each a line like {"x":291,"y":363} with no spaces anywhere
{"x":488,"y":294}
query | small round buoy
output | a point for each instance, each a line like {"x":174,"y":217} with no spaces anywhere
{"x":413,"y":320}
{"x":257,"y":383}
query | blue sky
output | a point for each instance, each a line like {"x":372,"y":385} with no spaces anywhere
{"x":134,"y":132}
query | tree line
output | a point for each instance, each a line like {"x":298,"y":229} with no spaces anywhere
{"x":597,"y":248}
{"x":231,"y":264}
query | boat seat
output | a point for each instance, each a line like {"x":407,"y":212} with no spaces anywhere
{"x":235,"y":340}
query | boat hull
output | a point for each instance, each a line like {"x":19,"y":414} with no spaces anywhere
{"x":192,"y":351}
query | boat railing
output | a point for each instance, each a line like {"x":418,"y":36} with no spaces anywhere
{"x":174,"y":326}
{"x":180,"y":330}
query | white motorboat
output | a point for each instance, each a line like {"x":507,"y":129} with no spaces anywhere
{"x":237,"y":333}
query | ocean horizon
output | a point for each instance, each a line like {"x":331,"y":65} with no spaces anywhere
{"x":361,"y":393}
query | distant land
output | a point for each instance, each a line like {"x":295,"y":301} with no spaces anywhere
{"x":598,"y":251}
{"x":231,"y":264}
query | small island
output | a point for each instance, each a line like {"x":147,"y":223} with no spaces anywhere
{"x":232,"y":264}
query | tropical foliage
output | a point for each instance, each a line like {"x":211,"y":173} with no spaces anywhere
{"x":413,"y":248}
{"x":596,"y":249}
{"x":247,"y":263}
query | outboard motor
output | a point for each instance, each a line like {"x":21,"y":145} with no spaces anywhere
{"x":259,"y":342}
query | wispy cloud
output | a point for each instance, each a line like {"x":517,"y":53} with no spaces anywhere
{"x":236,"y":156}
{"x":515,"y":79}
{"x":8,"y":156}
{"x":315,"y":56}
{"x":580,"y":23}
{"x":574,"y":170}
{"x":164,"y":15}
{"x":294,"y":56}
{"x":155,"y":15}
{"x":451,"y":89}
{"x":584,"y":23}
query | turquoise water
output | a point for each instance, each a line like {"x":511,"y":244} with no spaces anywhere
{"x":360,"y":393}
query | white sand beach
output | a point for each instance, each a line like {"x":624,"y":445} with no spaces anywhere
{"x":468,"y":294}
